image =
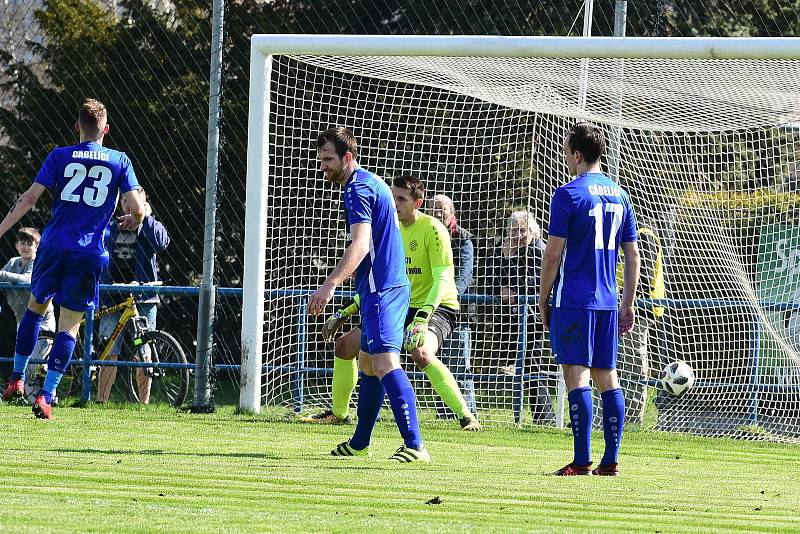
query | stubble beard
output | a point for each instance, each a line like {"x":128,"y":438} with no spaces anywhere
{"x":333,"y":177}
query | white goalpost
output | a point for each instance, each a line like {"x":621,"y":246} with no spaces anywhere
{"x":706,"y":140}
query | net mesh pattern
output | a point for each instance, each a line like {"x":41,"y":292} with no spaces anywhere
{"x":707,"y":150}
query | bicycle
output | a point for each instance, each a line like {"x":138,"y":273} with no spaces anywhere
{"x":169,"y":384}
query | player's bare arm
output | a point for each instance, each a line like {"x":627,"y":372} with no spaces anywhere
{"x":23,"y":205}
{"x":350,"y":261}
{"x":550,"y":264}
{"x":135,"y":203}
{"x":627,"y":316}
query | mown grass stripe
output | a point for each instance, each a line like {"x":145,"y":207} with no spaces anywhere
{"x":145,"y":469}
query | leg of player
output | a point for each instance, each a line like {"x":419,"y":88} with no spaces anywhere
{"x":345,"y":377}
{"x":106,"y":376}
{"x":613,"y":402}
{"x":27,"y":334}
{"x":345,"y":373}
{"x":455,"y":354}
{"x":382,"y":316}
{"x":443,"y":381}
{"x":370,"y":400}
{"x":573,"y":353}
{"x":576,"y":378}
{"x":403,"y":402}
{"x":604,"y":374}
{"x":144,"y":377}
{"x":60,"y":356}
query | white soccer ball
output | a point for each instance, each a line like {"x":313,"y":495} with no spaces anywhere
{"x":677,"y":377}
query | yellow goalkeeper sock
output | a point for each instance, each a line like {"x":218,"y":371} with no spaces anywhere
{"x":345,"y":376}
{"x":445,"y":385}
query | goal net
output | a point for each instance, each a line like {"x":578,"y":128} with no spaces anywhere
{"x":707,"y":148}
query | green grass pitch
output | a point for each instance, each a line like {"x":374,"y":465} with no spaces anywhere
{"x":102,"y":469}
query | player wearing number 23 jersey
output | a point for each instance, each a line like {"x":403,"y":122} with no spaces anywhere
{"x":86,"y":180}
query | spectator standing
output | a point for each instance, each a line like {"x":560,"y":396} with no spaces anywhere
{"x":641,"y":352}
{"x":516,"y":269}
{"x":132,"y":259}
{"x":456,"y":351}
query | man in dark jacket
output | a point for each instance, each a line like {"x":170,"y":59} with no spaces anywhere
{"x":132,"y":259}
{"x":457,"y":349}
{"x":641,"y":354}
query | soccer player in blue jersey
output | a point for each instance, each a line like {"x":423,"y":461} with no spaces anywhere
{"x":86,"y":180}
{"x":432,"y":314}
{"x":377,"y":257}
{"x":590,"y":218}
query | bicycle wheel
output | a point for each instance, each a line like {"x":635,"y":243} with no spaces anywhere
{"x":168,"y":384}
{"x":71,"y":384}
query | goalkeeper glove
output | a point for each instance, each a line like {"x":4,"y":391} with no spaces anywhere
{"x":416,"y":330}
{"x":335,"y":321}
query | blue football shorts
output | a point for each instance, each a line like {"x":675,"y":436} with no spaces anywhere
{"x":382,"y":317}
{"x":584,"y":337}
{"x":68,"y":277}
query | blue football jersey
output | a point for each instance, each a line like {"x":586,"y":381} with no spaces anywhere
{"x":368,"y":199}
{"x":86,"y":180}
{"x":594,"y":215}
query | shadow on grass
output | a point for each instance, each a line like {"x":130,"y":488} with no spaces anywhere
{"x":347,"y":463}
{"x":156,"y":452}
{"x":360,"y":466}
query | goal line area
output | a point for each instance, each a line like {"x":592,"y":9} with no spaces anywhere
{"x":703,"y":133}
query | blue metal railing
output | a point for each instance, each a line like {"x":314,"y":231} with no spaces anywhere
{"x":88,"y":361}
{"x":301,"y":371}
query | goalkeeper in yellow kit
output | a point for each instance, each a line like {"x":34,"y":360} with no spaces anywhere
{"x":432,"y":315}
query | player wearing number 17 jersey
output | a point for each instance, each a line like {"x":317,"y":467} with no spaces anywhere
{"x":86,"y":180}
{"x":590,"y":218}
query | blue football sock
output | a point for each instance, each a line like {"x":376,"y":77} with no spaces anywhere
{"x":27,"y":334}
{"x":404,"y":406}
{"x":370,"y":400}
{"x":613,"y":422}
{"x":20,"y":362}
{"x":580,"y":417}
{"x":57,"y":363}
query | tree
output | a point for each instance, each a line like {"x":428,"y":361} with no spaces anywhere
{"x":151,"y":71}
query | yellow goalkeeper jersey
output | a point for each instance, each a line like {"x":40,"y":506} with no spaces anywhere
{"x":429,"y":263}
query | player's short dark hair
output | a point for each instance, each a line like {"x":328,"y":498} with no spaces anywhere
{"x":588,"y":139}
{"x":28,"y":235}
{"x":412,"y":183}
{"x":92,"y":116}
{"x":341,"y":138}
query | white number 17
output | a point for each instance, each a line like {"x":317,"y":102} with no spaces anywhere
{"x":598,"y":212}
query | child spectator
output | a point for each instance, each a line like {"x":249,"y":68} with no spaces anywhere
{"x":18,"y":271}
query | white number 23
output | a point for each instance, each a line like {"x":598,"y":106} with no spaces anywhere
{"x":95,"y":194}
